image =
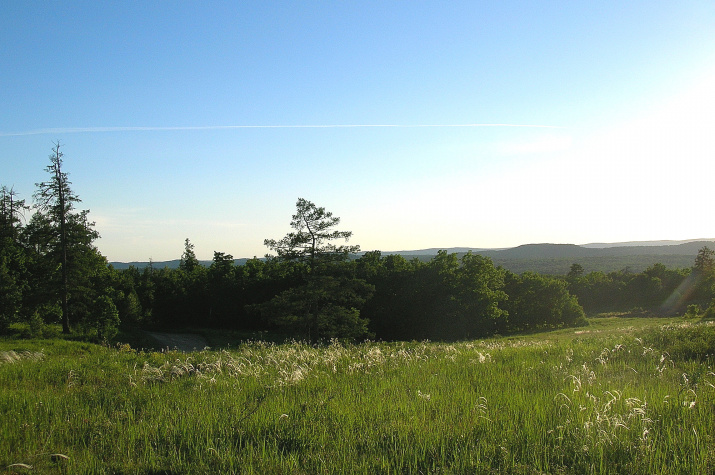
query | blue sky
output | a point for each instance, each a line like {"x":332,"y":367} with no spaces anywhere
{"x":150,"y":100}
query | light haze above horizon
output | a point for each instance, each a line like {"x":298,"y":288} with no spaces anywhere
{"x":420,"y":124}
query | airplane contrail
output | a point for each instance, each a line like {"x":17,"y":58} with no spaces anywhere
{"x":86,"y":130}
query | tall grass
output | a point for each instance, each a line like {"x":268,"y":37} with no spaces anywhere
{"x":612,"y":402}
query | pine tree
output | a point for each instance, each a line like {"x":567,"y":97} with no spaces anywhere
{"x":70,"y":232}
{"x":312,"y":238}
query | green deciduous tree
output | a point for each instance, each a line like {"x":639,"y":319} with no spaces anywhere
{"x":704,"y":275}
{"x":464,"y":296}
{"x":325,"y":307}
{"x":575,"y":271}
{"x":105,"y":318}
{"x":537,"y":301}
{"x":445,"y":299}
{"x":480,"y":292}
{"x":705,"y":260}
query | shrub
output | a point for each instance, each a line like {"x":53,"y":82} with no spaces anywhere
{"x":106,"y":318}
{"x":693,"y":311}
{"x":684,"y":341}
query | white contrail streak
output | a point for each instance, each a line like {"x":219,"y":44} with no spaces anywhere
{"x":89,"y":130}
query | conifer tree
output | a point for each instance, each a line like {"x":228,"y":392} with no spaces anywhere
{"x":68,"y":230}
{"x":311,"y":240}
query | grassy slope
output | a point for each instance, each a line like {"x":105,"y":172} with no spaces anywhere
{"x":612,"y":398}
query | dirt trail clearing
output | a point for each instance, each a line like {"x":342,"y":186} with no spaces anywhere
{"x":180,"y":341}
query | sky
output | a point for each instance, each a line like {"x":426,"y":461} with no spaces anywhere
{"x":421,"y":124}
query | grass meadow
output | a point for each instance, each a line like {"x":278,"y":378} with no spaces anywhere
{"x":620,"y":396}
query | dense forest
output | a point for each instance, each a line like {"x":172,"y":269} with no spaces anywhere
{"x":309,"y":288}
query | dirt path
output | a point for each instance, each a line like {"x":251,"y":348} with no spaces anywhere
{"x":180,"y":341}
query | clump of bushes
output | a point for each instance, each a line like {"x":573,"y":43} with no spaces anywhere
{"x":710,"y":311}
{"x":684,"y":341}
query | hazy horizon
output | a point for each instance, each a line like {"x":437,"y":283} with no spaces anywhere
{"x":485,"y":124}
{"x":448,"y":248}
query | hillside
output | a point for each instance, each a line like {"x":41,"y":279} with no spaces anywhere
{"x":623,"y":393}
{"x":556,"y":259}
{"x":549,"y":258}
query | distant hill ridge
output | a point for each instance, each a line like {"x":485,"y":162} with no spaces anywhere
{"x":645,"y":243}
{"x":545,"y":251}
{"x":532,"y":252}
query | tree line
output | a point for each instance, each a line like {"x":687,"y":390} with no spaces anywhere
{"x":310,"y":288}
{"x":50,"y":271}
{"x":658,"y":289}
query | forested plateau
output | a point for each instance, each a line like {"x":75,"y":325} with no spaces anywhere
{"x":312,"y":286}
